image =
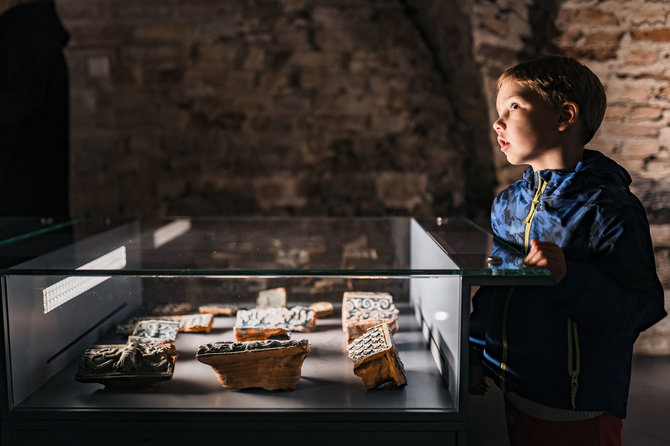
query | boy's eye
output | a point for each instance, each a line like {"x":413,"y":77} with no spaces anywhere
{"x":514,"y":106}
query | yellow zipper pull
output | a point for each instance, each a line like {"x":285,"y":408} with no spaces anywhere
{"x":541,"y":184}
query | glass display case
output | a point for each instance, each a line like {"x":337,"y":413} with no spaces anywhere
{"x":76,"y":284}
{"x":16,"y":233}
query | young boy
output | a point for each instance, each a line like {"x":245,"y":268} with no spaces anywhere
{"x":562,"y":354}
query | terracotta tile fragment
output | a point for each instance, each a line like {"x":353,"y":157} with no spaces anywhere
{"x":376,"y":360}
{"x":270,"y":365}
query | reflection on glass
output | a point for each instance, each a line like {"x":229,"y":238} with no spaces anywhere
{"x":171,"y":231}
{"x":505,"y":256}
{"x":67,"y":289}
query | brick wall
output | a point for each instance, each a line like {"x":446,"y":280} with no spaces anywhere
{"x":200,"y":107}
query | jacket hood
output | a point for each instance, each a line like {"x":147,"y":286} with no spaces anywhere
{"x":593,"y":171}
{"x":42,"y":12}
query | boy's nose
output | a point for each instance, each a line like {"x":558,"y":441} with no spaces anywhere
{"x":498,"y":125}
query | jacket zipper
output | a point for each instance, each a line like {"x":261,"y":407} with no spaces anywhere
{"x":541,"y":185}
{"x":573,"y":336}
{"x":573,"y":361}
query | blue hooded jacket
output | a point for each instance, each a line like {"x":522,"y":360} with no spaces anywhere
{"x":570,"y":345}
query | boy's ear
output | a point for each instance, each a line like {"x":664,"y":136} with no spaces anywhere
{"x":568,"y":115}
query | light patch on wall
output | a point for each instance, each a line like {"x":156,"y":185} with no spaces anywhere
{"x":441,"y":316}
{"x":98,"y":66}
{"x":171,"y":231}
{"x":67,"y":289}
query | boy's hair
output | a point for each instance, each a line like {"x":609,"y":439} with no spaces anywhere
{"x":557,"y":79}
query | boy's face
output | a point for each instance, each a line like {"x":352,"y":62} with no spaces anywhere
{"x":527,"y":127}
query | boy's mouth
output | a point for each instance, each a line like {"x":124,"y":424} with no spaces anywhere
{"x":503,"y":143}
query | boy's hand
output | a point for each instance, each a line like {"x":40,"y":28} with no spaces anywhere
{"x":547,"y":255}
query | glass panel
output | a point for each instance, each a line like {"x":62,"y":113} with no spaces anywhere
{"x":16,"y":234}
{"x":270,"y":246}
{"x":46,"y":347}
{"x":25,"y":238}
{"x":13,"y":229}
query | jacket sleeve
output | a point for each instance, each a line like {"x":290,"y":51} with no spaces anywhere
{"x":617,"y":289}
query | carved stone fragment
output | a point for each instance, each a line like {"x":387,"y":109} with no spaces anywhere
{"x":172,"y":309}
{"x":188,"y":323}
{"x":130,"y":365}
{"x":363,"y":310}
{"x":376,"y":360}
{"x":155,"y":332}
{"x":128,"y":327}
{"x":289,"y":319}
{"x":322,"y":309}
{"x":195,"y":323}
{"x":218,"y":309}
{"x":259,"y":333}
{"x":274,"y":298}
{"x":270,"y":365}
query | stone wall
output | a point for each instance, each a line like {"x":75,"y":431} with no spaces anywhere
{"x":265,"y":107}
